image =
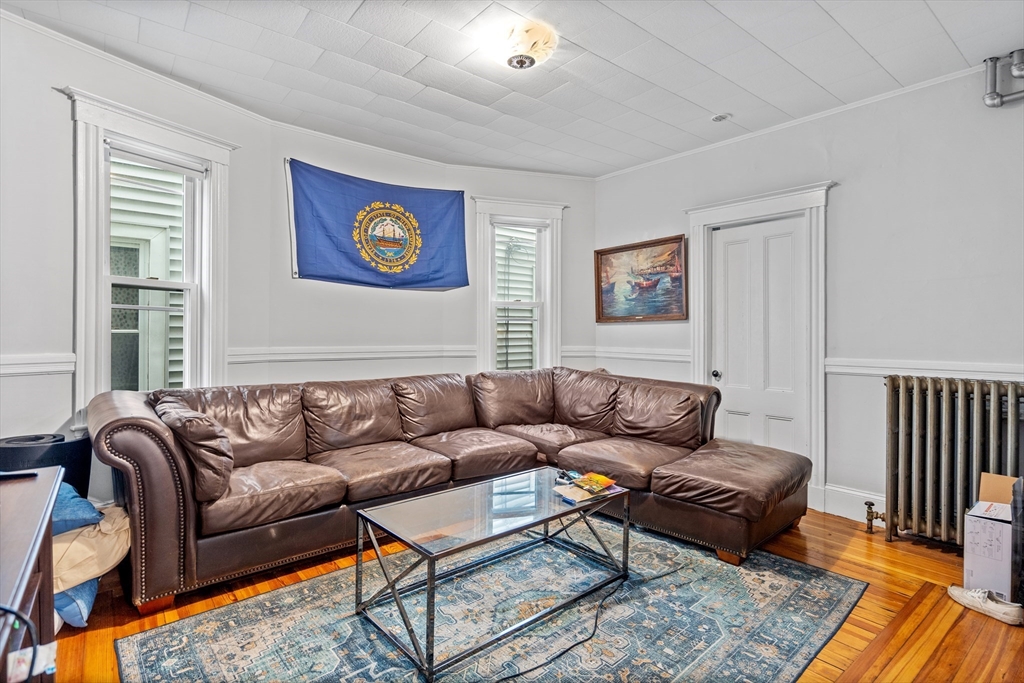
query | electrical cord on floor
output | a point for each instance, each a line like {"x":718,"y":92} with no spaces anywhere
{"x":33,"y":636}
{"x":597,"y":615}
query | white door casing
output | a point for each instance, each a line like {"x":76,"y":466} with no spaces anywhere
{"x":760,"y":308}
{"x":809,"y":201}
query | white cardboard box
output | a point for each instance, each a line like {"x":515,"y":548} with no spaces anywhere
{"x":989,"y":558}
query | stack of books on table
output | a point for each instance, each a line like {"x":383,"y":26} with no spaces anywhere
{"x":586,"y":487}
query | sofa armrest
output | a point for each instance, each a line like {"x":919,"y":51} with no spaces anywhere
{"x":129,"y":436}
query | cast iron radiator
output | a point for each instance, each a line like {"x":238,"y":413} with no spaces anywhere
{"x":941,"y":434}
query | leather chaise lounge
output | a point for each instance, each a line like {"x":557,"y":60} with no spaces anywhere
{"x":225,"y":481}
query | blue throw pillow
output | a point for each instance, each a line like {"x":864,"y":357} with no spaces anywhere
{"x":74,"y":604}
{"x":72,"y":511}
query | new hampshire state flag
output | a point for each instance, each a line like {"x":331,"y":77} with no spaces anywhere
{"x":359,"y":232}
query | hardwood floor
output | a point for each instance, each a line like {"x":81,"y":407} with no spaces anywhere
{"x":904,"y":628}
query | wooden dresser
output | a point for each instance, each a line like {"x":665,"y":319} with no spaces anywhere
{"x":26,"y":558}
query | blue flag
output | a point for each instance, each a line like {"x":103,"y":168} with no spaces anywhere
{"x":359,"y":232}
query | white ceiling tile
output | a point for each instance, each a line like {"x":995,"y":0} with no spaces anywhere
{"x":443,"y":43}
{"x":622,"y":87}
{"x":438,"y":101}
{"x":294,"y":77}
{"x":528,"y":149}
{"x":45,"y":8}
{"x":632,"y":121}
{"x":481,"y":64}
{"x":389,"y":20}
{"x":411,"y":131}
{"x":480,"y":90}
{"x":570,"y":97}
{"x":654,"y":100}
{"x":714,"y":131}
{"x":674,"y":139}
{"x":603,"y":109}
{"x":565,"y":52}
{"x":330,"y":34}
{"x":802,"y":99}
{"x":650,"y":58}
{"x":283,"y":17}
{"x":346,"y":93}
{"x":823,"y":47}
{"x":534,"y":84}
{"x":240,"y":61}
{"x":541,"y":135}
{"x":841,"y":68}
{"x":477,"y":114}
{"x":494,"y":156}
{"x":388,"y":84}
{"x":997,"y":42}
{"x":330,"y":126}
{"x":219,"y":5}
{"x":257,"y":87}
{"x":719,"y":41}
{"x":864,"y":15}
{"x":195,"y":85}
{"x":864,"y":86}
{"x":682,"y":76}
{"x":409,"y":113}
{"x":749,"y":14}
{"x":221,"y":28}
{"x":172,"y":40}
{"x":796,"y":26}
{"x":463,"y":146}
{"x":585,"y":128}
{"x":97,"y":17}
{"x":776,"y":78}
{"x":452,"y":13}
{"x":749,"y":60}
{"x":498,"y":140}
{"x":760,"y":118}
{"x":143,"y":55}
{"x":922,"y":60}
{"x":612,"y":37}
{"x":570,"y":18}
{"x":681,"y":113}
{"x":386,"y":55}
{"x":271,"y":110}
{"x":437,"y":74}
{"x":171,"y":13}
{"x":201,"y":72}
{"x":900,"y":32}
{"x":346,"y":69}
{"x":550,"y":117}
{"x":489,"y":24}
{"x":517,"y":104}
{"x":522,"y":7}
{"x":713,"y":93}
{"x":511,"y":125}
{"x":341,"y":10}
{"x":467,"y":131}
{"x":281,"y":48}
{"x":16,"y":11}
{"x":588,"y":68}
{"x":998,"y":23}
{"x":634,"y":10}
{"x":677,"y":22}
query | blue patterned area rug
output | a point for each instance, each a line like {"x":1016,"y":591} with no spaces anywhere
{"x":682,"y":616}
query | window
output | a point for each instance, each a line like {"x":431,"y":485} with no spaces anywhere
{"x":150,"y":252}
{"x":518,"y":257}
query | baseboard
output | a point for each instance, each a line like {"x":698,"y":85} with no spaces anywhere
{"x":37,"y":364}
{"x":844,"y":502}
{"x":319,"y":354}
{"x":877,"y":367}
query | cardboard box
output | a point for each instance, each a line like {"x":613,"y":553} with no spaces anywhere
{"x":992,"y":554}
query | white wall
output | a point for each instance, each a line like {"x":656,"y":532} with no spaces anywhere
{"x":924,"y":249}
{"x":268,"y":312}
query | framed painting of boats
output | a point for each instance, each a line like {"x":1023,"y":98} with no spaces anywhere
{"x":642,"y":281}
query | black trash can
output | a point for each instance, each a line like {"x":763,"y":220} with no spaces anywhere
{"x":48,"y":450}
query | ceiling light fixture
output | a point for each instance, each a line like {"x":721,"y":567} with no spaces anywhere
{"x":525,"y":44}
{"x":718,"y":118}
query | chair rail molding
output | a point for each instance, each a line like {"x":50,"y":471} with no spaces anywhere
{"x":28,"y":364}
{"x":878,"y":367}
{"x":330,"y":354}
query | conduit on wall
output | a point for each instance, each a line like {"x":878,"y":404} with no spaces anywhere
{"x":992,"y":96}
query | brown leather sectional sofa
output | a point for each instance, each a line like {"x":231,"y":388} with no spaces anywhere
{"x":225,"y":481}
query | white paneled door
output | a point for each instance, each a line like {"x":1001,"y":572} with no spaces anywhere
{"x":760,"y":340}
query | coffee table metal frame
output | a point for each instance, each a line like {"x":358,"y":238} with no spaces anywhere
{"x":422,"y":654}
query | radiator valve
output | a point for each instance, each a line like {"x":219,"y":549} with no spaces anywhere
{"x":872,"y":516}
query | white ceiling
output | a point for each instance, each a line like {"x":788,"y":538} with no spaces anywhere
{"x":632,"y":81}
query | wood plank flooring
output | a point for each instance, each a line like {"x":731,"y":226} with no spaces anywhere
{"x":904,"y":628}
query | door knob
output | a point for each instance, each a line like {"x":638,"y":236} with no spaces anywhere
{"x":716,"y":374}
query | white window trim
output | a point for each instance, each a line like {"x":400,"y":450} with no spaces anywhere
{"x":95,"y":120}
{"x":546,"y":217}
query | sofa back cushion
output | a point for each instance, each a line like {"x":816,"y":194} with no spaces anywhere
{"x":346,"y":414}
{"x":263,"y":422}
{"x":663,"y":414}
{"x":584,"y":400}
{"x":431,"y":404}
{"x":206,"y":443}
{"x":513,"y":398}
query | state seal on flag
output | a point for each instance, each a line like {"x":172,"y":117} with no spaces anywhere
{"x":387,"y":236}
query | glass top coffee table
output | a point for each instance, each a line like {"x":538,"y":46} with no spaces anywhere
{"x":438,"y":526}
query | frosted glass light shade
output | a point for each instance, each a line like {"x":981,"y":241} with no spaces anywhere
{"x":525,"y":44}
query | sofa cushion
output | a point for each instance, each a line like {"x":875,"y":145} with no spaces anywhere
{"x":584,"y":400}
{"x":734,"y":478}
{"x":345,"y":414}
{"x":518,"y":398}
{"x":263,"y":422}
{"x":551,"y":438}
{"x":664,"y":414}
{"x":385,"y":469}
{"x":628,"y":461}
{"x":431,"y":404}
{"x":269,"y":491}
{"x":477,"y":452}
{"x":205,"y":442}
